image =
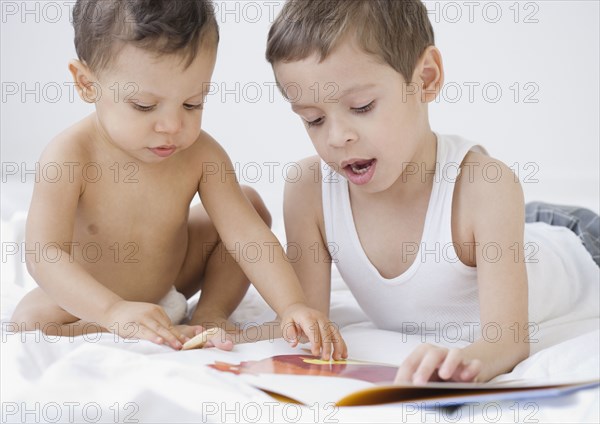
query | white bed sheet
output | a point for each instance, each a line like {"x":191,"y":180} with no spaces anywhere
{"x":100,"y":378}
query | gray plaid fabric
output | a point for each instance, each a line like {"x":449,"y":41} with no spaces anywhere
{"x":581,"y":221}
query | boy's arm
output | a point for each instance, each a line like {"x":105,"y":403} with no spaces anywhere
{"x":238,"y":223}
{"x":495,"y":214}
{"x":498,"y":219}
{"x":49,"y":229}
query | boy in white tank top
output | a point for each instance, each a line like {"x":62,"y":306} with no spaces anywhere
{"x":417,"y":229}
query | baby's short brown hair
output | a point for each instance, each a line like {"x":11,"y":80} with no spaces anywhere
{"x":396,"y":31}
{"x":160,"y":26}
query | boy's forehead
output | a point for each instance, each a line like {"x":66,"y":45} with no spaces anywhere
{"x":345,"y":68}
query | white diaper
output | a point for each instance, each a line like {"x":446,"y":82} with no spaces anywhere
{"x":175,"y":305}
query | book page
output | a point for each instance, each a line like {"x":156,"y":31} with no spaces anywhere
{"x":308,"y":380}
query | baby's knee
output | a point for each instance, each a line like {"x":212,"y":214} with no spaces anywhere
{"x":258,"y":204}
{"x":26,"y":318}
{"x":30,"y":315}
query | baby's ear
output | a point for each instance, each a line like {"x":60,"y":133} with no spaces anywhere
{"x":430,"y":73}
{"x":83,"y":77}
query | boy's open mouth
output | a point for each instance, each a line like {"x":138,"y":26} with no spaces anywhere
{"x":360,"y":172}
{"x":360,"y":167}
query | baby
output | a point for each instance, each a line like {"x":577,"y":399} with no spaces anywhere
{"x":117,"y":231}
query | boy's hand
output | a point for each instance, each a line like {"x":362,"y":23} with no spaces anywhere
{"x":220,"y":340}
{"x":434,"y":363}
{"x":299,"y":319}
{"x":143,"y":321}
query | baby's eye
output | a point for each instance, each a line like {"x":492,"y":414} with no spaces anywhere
{"x":316,"y":122}
{"x":365,"y":108}
{"x":193,"y":107}
{"x":142,"y":108}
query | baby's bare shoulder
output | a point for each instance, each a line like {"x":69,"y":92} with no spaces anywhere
{"x":207,"y":159}
{"x":205,"y":147}
{"x":72,"y":145}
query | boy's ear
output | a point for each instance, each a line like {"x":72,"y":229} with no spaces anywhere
{"x":88,"y":89}
{"x":429,"y":73}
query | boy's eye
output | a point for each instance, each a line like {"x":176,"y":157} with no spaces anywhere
{"x":193,"y":107}
{"x":365,"y":108}
{"x":316,"y":122}
{"x":143,"y":108}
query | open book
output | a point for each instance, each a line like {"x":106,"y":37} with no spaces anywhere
{"x":306,"y":379}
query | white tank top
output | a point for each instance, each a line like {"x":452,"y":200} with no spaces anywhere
{"x":438,"y":293}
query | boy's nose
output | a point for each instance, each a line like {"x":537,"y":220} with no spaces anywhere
{"x":169,"y":124}
{"x":341,"y":134}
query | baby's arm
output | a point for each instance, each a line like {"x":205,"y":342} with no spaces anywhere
{"x":238,"y":222}
{"x":50,"y":225}
{"x":303,"y":216}
{"x":496,"y":216}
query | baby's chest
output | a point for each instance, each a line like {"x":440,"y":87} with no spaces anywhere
{"x":139,"y":211}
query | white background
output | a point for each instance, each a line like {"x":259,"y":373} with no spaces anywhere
{"x":550,"y":48}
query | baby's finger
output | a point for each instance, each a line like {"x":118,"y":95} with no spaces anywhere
{"x":164,"y":321}
{"x":340,"y":350}
{"x":165,"y":328}
{"x":169,"y":334}
{"x":313,"y":330}
{"x":289,"y":332}
{"x":146,"y":333}
{"x":221,"y":340}
{"x":452,"y":362}
{"x":189,"y":331}
{"x":326,"y":339}
{"x":333,"y":343}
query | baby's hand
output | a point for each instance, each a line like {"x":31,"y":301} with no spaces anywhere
{"x":143,"y":321}
{"x":428,"y":362}
{"x":299,"y":319}
{"x":219,"y":339}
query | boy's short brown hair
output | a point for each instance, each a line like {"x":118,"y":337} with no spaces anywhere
{"x":160,"y":26}
{"x":396,"y":31}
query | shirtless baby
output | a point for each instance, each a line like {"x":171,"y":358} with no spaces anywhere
{"x":129,"y":172}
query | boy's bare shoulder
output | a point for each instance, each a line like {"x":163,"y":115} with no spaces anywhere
{"x":487,"y":187}
{"x":483,"y":175}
